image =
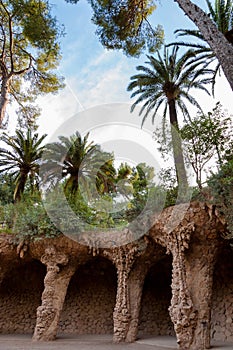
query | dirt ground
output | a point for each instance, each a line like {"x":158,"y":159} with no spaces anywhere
{"x":83,"y":342}
{"x":92,"y":342}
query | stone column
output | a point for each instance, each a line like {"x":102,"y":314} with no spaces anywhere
{"x":136,"y":283}
{"x":182,"y":311}
{"x":200,"y":266}
{"x":56,"y":283}
{"x":123,"y":258}
{"x":192,"y":278}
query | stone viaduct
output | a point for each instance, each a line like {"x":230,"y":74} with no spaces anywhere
{"x":176,"y":282}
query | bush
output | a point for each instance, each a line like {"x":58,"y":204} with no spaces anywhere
{"x":28,"y":219}
{"x":221,"y":185}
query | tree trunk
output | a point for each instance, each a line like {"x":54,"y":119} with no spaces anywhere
{"x":177,"y":147}
{"x":216,"y":40}
{"x":20,"y":186}
{"x":4,"y":98}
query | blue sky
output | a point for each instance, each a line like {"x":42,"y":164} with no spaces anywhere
{"x":95,"y":77}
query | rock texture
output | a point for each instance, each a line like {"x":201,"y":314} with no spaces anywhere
{"x":56,"y":283}
{"x":222,"y":301}
{"x":90,"y":299}
{"x":20,"y":296}
{"x":121,"y":289}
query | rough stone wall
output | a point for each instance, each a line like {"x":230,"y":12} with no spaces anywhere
{"x":90,"y":300}
{"x":190,"y":234}
{"x":156,"y":299}
{"x":222,"y":300}
{"x":20,"y":295}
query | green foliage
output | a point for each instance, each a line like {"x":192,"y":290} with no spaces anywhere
{"x":30,"y":54}
{"x":97,"y":207}
{"x":99,"y":195}
{"x":79,"y":162}
{"x":91,"y":216}
{"x":165,"y":78}
{"x":105,"y":177}
{"x":221,"y":185}
{"x":21,"y":159}
{"x":222,"y":15}
{"x":142,"y":182}
{"x":206,"y":137}
{"x":28,"y":219}
{"x":124,"y":24}
{"x":7,"y":186}
{"x":168,"y":186}
{"x":167,"y":81}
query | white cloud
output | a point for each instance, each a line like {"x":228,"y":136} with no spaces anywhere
{"x":103,"y":80}
{"x":56,"y":109}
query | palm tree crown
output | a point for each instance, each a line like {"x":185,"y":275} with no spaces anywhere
{"x":75,"y":159}
{"x":22,"y":159}
{"x":167,"y":81}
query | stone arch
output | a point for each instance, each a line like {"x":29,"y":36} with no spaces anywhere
{"x":154,"y":318}
{"x":222,"y":297}
{"x":20,"y":295}
{"x":152,"y":254}
{"x":90,"y":299}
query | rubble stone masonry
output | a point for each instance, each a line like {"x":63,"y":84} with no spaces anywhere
{"x":175,"y":280}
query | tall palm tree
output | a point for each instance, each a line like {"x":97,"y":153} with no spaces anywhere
{"x":168,"y":81}
{"x":222,"y":15}
{"x":22,"y":159}
{"x":76,"y":160}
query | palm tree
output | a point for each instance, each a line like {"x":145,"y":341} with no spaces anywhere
{"x":106,"y":178}
{"x":222,"y":15}
{"x":167,"y":81}
{"x":76,"y":160}
{"x":22,"y":159}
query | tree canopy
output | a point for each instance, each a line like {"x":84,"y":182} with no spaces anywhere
{"x":124,"y":25}
{"x":129,"y":17}
{"x":206,"y":137}
{"x":167,"y":81}
{"x":21,"y":159}
{"x":29,"y":55}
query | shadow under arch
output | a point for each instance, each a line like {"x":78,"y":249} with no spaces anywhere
{"x":90,"y":299}
{"x":20,"y":296}
{"x":154,"y":318}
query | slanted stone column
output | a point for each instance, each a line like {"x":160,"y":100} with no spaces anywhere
{"x":199,"y":264}
{"x":56,"y":283}
{"x":182,"y":311}
{"x":123,"y":258}
{"x":136,"y":283}
{"x":192,"y":279}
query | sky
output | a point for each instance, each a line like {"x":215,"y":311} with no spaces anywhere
{"x":96,"y":76}
{"x":95,"y":98}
